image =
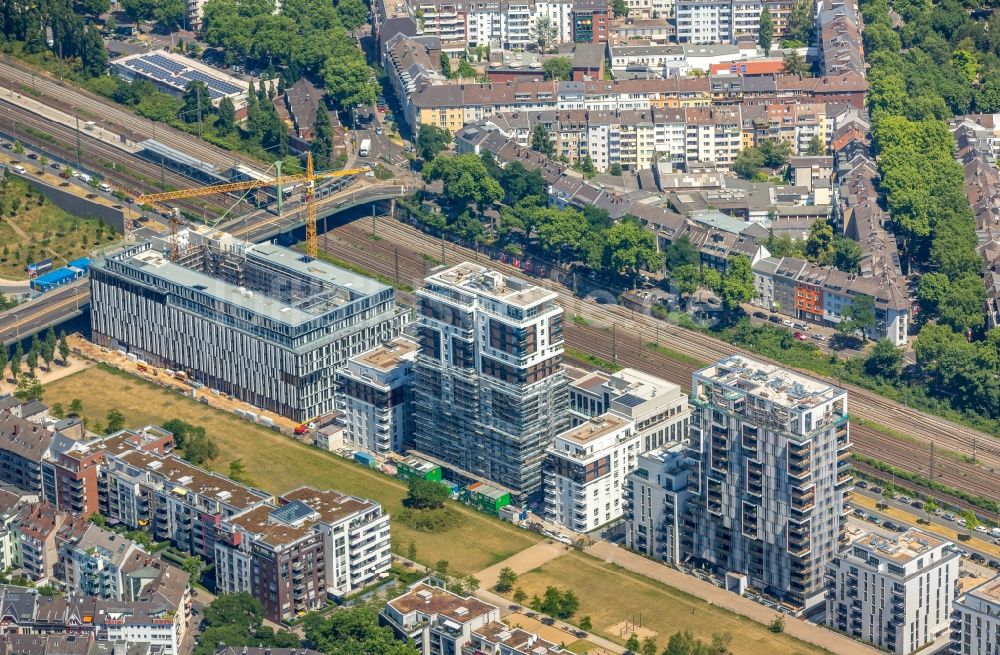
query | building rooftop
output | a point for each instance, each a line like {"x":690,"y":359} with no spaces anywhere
{"x":23,"y":438}
{"x":286,"y":286}
{"x":902,"y":548}
{"x":988,"y":591}
{"x":388,"y":355}
{"x":434,"y":600}
{"x":777,"y":385}
{"x":517,"y":639}
{"x":483,"y":281}
{"x":593,"y":429}
{"x":189,"y":478}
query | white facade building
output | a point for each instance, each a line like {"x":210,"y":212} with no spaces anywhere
{"x":894,"y":592}
{"x":716,"y":21}
{"x":438,"y":621}
{"x":658,"y":408}
{"x":374,"y":397}
{"x":655,"y":493}
{"x":976,"y":621}
{"x":585,"y":471}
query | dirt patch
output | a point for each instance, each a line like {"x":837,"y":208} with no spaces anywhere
{"x":623,"y":629}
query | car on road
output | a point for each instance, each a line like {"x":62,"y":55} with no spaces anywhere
{"x":378,"y":130}
{"x":17,"y":168}
{"x":876,"y":520}
{"x":904,"y":499}
{"x":861,"y":484}
{"x":982,"y":529}
{"x":949,"y":517}
{"x":876,"y":490}
{"x":800,"y":336}
{"x":819,"y":337}
{"x":8,"y":145}
{"x":917,"y":504}
{"x":774,"y":319}
{"x":56,"y":166}
{"x":32,"y":155}
{"x":993,"y":564}
{"x":977,"y":558}
{"x":760,"y":315}
{"x":787,"y":323}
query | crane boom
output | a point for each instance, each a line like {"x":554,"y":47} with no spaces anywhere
{"x":309,"y":177}
{"x":229,"y":187}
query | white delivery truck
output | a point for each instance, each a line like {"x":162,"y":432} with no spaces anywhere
{"x":366,"y":146}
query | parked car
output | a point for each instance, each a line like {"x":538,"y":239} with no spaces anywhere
{"x":760,"y":315}
{"x":56,"y":166}
{"x":774,"y":319}
{"x":982,"y":529}
{"x":876,"y":490}
{"x":993,"y":564}
{"x":801,"y":337}
{"x":977,"y":558}
{"x":819,"y":337}
{"x":787,"y":323}
{"x":8,"y":145}
{"x":917,"y":504}
{"x":949,"y":517}
{"x":862,"y":484}
{"x":32,"y":155}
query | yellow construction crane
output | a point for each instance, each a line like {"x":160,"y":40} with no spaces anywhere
{"x":309,"y":178}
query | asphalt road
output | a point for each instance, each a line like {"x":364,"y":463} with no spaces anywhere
{"x":50,"y":308}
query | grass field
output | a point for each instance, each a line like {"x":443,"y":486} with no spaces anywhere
{"x":609,"y":594}
{"x":277,"y":463}
{"x":48,"y":228}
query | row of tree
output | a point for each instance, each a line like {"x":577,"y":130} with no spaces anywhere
{"x":939,"y":62}
{"x":40,"y":349}
{"x":32,"y":23}
{"x":473,"y":184}
{"x":310,"y":38}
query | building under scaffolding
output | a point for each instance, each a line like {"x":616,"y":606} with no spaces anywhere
{"x":262,"y":323}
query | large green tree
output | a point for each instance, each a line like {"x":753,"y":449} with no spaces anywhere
{"x":629,"y":248}
{"x":765,"y":30}
{"x":431,"y":140}
{"x":541,"y":141}
{"x":558,"y":68}
{"x":466,"y":180}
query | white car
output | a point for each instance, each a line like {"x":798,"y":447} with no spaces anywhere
{"x":787,"y":323}
{"x":982,"y":528}
{"x":17,"y":168}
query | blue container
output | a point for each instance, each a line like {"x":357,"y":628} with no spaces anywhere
{"x":365,"y":458}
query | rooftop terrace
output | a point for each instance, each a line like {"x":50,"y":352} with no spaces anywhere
{"x":483,"y":281}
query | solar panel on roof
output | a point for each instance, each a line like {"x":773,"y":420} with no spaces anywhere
{"x":291,"y":513}
{"x":630,"y":400}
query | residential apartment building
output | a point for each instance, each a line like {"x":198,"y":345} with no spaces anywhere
{"x":41,"y":532}
{"x":374,"y":394}
{"x":490,"y":394}
{"x":590,"y":21}
{"x":655,"y":496}
{"x":717,"y":21}
{"x":461,"y":24}
{"x":894,"y":592}
{"x":95,"y":564}
{"x":71,"y":473}
{"x":438,"y":621}
{"x":821,"y":294}
{"x":171,"y":499}
{"x":500,"y":639}
{"x":452,"y":106}
{"x":294,"y":556}
{"x":773,"y":466}
{"x":158,"y":615}
{"x":259,"y":322}
{"x":410,"y":63}
{"x":585,"y":469}
{"x":23,"y":445}
{"x":11,"y":506}
{"x":976,"y":621}
{"x":658,"y":408}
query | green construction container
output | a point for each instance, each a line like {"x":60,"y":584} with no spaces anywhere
{"x":487,"y":498}
{"x":414,"y":467}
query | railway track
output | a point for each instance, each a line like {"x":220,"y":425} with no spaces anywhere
{"x":139,"y":175}
{"x":116,"y":118}
{"x":866,"y":404}
{"x":411,"y":258}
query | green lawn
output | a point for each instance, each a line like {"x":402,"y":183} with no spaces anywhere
{"x":609,"y":594}
{"x":277,"y":463}
{"x":48,"y":228}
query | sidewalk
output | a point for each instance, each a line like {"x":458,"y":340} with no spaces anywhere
{"x":526,"y":560}
{"x":797,"y":628}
